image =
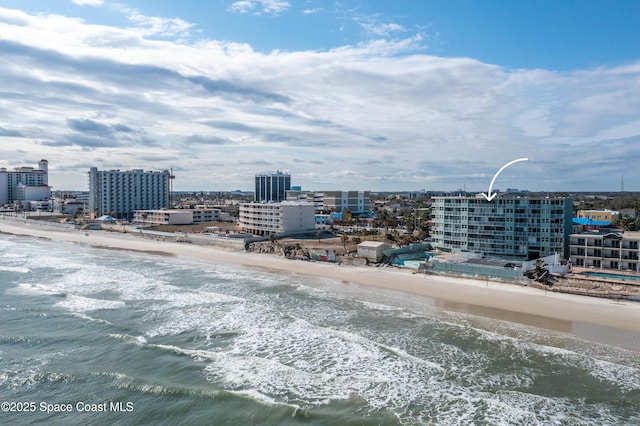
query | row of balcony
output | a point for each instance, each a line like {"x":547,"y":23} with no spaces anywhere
{"x":608,"y":247}
{"x":605,"y":256}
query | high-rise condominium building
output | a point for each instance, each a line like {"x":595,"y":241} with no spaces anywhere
{"x":272,"y":186}
{"x":120,"y":193}
{"x":25,"y":183}
{"x":508,"y":227}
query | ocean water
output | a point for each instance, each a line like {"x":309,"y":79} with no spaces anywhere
{"x":95,"y":336}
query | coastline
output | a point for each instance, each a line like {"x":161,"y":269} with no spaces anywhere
{"x":584,"y":316}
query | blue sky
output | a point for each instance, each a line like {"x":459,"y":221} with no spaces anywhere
{"x":375,"y":95}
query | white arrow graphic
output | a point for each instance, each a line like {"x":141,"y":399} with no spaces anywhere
{"x":491,"y":196}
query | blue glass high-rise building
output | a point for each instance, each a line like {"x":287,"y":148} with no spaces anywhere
{"x":272,"y":186}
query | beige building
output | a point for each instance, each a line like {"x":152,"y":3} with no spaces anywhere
{"x":340,"y":201}
{"x":205,"y":215}
{"x":599,"y":215}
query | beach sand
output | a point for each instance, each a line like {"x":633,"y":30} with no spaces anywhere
{"x":603,"y":320}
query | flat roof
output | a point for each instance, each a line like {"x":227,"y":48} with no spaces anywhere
{"x":373,"y":244}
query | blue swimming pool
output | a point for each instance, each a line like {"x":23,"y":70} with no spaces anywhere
{"x":611,"y":276}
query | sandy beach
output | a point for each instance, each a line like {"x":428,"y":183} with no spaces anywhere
{"x":511,"y":302}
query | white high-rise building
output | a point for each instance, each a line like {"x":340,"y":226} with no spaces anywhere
{"x":120,"y":193}
{"x":25,"y":183}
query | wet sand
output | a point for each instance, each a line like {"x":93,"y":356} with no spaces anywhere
{"x":509,"y":302}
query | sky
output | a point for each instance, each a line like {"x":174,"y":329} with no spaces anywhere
{"x":344,"y":95}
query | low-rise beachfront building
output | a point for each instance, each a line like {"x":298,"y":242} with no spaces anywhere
{"x":509,"y":226}
{"x":372,"y":250}
{"x":176,"y":216}
{"x":201,"y":215}
{"x":163,"y":217}
{"x":606,"y":249}
{"x":68,"y":206}
{"x":283,"y":218}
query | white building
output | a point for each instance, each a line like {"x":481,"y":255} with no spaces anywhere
{"x":25,"y":183}
{"x":68,"y":206}
{"x":176,"y":216}
{"x":120,"y":193}
{"x":163,"y":217}
{"x":81,"y":196}
{"x":286,"y":217}
{"x":26,"y":193}
{"x":606,"y":249}
{"x":372,"y":250}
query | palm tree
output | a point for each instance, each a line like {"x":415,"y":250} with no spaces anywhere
{"x":345,"y":239}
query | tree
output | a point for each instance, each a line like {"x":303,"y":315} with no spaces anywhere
{"x":345,"y":239}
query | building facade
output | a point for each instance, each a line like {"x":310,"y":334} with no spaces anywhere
{"x":516,"y":227}
{"x":357,"y":202}
{"x":25,"y":183}
{"x":606,"y":249}
{"x":287,"y":217}
{"x":176,"y":216}
{"x":599,"y":215}
{"x":272,"y":187}
{"x":372,"y":250}
{"x":121,"y":193}
{"x":163,"y":217}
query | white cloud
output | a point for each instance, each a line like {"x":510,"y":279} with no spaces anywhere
{"x":88,"y":2}
{"x":243,"y":6}
{"x":382,"y":29}
{"x":268,"y":7}
{"x":368,"y":116}
{"x":157,"y":26}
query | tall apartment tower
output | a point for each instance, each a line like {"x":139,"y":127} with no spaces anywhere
{"x":272,"y":187}
{"x":120,"y":193}
{"x":508,"y":227}
{"x":25,"y":183}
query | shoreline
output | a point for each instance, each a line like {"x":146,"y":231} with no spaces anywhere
{"x":509,"y":302}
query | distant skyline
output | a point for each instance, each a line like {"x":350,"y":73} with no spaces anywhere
{"x":363,"y":95}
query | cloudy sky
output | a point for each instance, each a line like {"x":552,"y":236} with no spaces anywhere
{"x":371,"y":94}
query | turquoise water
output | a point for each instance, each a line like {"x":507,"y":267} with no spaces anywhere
{"x":143,"y":339}
{"x":611,"y":276}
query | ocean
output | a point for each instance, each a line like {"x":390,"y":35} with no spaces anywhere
{"x":114,"y":337}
